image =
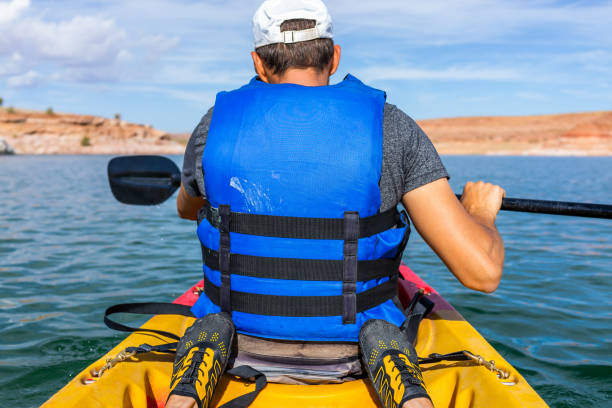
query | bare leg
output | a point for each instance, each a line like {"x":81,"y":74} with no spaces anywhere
{"x":418,"y":403}
{"x":178,"y":401}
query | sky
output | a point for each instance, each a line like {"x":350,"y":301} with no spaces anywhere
{"x":161,"y":62}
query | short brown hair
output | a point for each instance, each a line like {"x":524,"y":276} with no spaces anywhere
{"x":314,"y":53}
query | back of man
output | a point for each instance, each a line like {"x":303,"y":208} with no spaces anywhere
{"x":290,"y":147}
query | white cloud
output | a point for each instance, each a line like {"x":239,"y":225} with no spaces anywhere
{"x":29,"y":79}
{"x":11,"y":65}
{"x":192,"y":74}
{"x":79,"y":41}
{"x":382,"y":73}
{"x":83,"y":48}
{"x":157,"y":44}
{"x":11,"y":10}
{"x":594,"y":61}
{"x":198,"y":98}
{"x":473,"y":21}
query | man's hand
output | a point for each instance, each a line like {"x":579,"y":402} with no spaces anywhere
{"x":463,"y":236}
{"x":482,"y":201}
{"x":188,"y":206}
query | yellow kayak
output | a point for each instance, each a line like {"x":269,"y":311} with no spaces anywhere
{"x":143,"y":380}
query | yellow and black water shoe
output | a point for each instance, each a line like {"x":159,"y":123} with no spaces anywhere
{"x":201,"y":357}
{"x":391,"y":363}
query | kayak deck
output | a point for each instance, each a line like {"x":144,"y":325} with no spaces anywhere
{"x":143,"y":380}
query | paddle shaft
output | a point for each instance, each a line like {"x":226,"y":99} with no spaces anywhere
{"x":151,"y":180}
{"x":556,"y":207}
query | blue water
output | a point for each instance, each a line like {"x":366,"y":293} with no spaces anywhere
{"x":68,"y":250}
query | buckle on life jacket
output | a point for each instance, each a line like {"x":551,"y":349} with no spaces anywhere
{"x":213,"y":216}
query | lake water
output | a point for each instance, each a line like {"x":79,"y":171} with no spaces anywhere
{"x":68,"y":250}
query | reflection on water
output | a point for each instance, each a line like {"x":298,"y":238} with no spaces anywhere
{"x":68,"y":250}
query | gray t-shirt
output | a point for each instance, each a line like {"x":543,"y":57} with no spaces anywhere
{"x":409,"y":158}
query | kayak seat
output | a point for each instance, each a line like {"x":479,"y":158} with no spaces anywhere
{"x":300,"y":363}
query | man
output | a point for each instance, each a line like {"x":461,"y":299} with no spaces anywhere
{"x":281,"y":163}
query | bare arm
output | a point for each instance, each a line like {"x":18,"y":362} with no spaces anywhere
{"x":463,"y":236}
{"x":188,"y":206}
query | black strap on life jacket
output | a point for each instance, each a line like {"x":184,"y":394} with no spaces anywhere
{"x":298,"y":227}
{"x":349,"y":270}
{"x":224,"y":258}
{"x":302,"y":306}
{"x":300,"y":269}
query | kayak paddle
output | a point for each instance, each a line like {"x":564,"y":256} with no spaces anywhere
{"x":556,"y":207}
{"x":151,"y":180}
{"x":143,"y":180}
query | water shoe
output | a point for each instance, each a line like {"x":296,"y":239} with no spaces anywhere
{"x":391,"y":363}
{"x":201,"y":357}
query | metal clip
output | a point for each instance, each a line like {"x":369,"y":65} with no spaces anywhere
{"x":213,"y":217}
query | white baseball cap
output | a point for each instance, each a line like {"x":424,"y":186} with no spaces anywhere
{"x":272,"y":13}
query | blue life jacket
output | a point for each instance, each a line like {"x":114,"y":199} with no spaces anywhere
{"x":294,"y":244}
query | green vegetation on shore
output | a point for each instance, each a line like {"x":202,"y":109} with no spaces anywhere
{"x":85,"y":141}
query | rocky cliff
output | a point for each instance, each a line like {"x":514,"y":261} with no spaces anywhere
{"x":32,"y":132}
{"x":565,"y":134}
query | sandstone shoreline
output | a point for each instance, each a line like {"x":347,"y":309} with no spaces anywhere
{"x":33,"y":132}
{"x":577,"y":134}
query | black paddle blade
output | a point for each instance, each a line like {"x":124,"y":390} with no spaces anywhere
{"x":143,"y":180}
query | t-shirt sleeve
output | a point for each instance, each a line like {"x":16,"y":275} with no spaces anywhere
{"x":192,"y":176}
{"x":410,"y":160}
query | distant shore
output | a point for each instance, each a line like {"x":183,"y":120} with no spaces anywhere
{"x":577,"y":134}
{"x":34,"y":132}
